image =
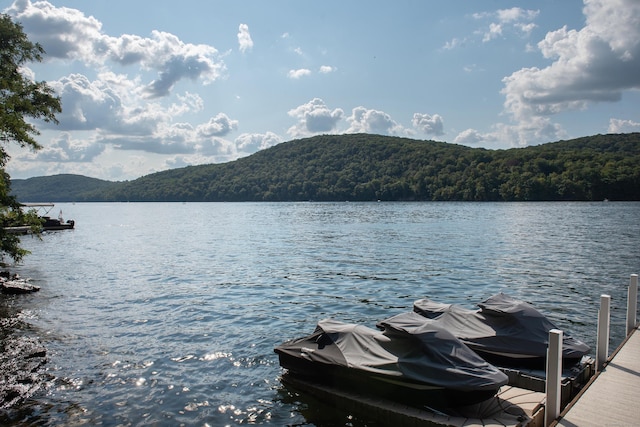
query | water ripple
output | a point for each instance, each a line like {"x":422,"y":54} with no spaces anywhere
{"x":168,"y":313}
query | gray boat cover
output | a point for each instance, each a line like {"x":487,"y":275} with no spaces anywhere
{"x":503,"y":325}
{"x":405,"y":350}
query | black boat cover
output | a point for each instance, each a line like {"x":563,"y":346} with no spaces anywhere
{"x":502,"y":326}
{"x":405,"y":350}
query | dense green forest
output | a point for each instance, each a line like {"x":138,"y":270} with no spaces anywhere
{"x":56,"y":188}
{"x":362,"y":167}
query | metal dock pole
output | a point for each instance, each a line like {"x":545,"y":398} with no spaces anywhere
{"x":554,"y":377}
{"x":603,"y":332}
{"x":632,"y":303}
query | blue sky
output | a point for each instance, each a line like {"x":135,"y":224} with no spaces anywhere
{"x":148,"y":86}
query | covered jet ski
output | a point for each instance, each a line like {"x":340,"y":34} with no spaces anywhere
{"x":504,"y":330}
{"x":418,"y":363}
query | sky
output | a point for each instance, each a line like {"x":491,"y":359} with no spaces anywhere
{"x":148,"y":86}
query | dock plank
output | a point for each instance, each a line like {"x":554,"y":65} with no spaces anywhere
{"x":612,"y":399}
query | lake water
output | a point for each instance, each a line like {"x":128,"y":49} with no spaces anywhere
{"x":167,"y":314}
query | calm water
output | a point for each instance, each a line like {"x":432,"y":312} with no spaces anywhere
{"x":161,"y":314}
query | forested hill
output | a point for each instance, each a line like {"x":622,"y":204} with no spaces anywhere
{"x":365,"y":167}
{"x":56,"y":188}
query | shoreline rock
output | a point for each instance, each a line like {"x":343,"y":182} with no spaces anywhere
{"x":21,"y":362}
{"x":15,"y":285}
{"x":22,"y":355}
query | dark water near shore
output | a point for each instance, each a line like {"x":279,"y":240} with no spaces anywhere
{"x":162,"y":314}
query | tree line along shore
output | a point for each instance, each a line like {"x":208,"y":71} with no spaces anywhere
{"x":363,"y":167}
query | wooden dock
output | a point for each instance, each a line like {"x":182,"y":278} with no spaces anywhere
{"x":612,"y":397}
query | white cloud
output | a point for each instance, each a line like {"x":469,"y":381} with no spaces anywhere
{"x":178,"y":162}
{"x":66,"y":149}
{"x":623,"y":126}
{"x":67,"y":33}
{"x":363,"y":120}
{"x":214,"y":149}
{"x":594,"y":64}
{"x":86,"y":161}
{"x":252,"y":142}
{"x":481,"y":15}
{"x":87,"y":105}
{"x":112,"y":105}
{"x":176,"y":60}
{"x":112,"y":111}
{"x":518,"y":19}
{"x":525,"y":28}
{"x":326,"y":69}
{"x":189,"y":103}
{"x":472,"y":68}
{"x":220,"y":125}
{"x":538,"y":129}
{"x":244,"y":38}
{"x":501,"y":23}
{"x":173,"y":142}
{"x":453,"y":43}
{"x":517,"y":15}
{"x":296,"y":74}
{"x":314,"y":117}
{"x":63,"y":32}
{"x":430,"y":125}
{"x":110,"y":108}
{"x":495,"y":30}
{"x":615,"y":22}
{"x":469,"y":137}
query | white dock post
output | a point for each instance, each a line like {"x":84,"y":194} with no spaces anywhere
{"x":603,"y":332}
{"x":554,"y":377}
{"x":632,"y":303}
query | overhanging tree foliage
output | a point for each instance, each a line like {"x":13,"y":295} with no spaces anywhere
{"x":20,"y":99}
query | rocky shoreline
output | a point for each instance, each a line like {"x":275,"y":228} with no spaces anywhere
{"x":13,"y":284}
{"x":22,"y":357}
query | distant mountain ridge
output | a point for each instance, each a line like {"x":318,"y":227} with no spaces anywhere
{"x":56,"y":188}
{"x":363,"y":167}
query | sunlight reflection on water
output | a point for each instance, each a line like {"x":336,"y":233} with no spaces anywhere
{"x":168,"y":313}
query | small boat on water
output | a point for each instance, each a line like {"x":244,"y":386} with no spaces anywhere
{"x":54,"y":224}
{"x":49,"y":223}
{"x":409,"y":360}
{"x":503,"y":330}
